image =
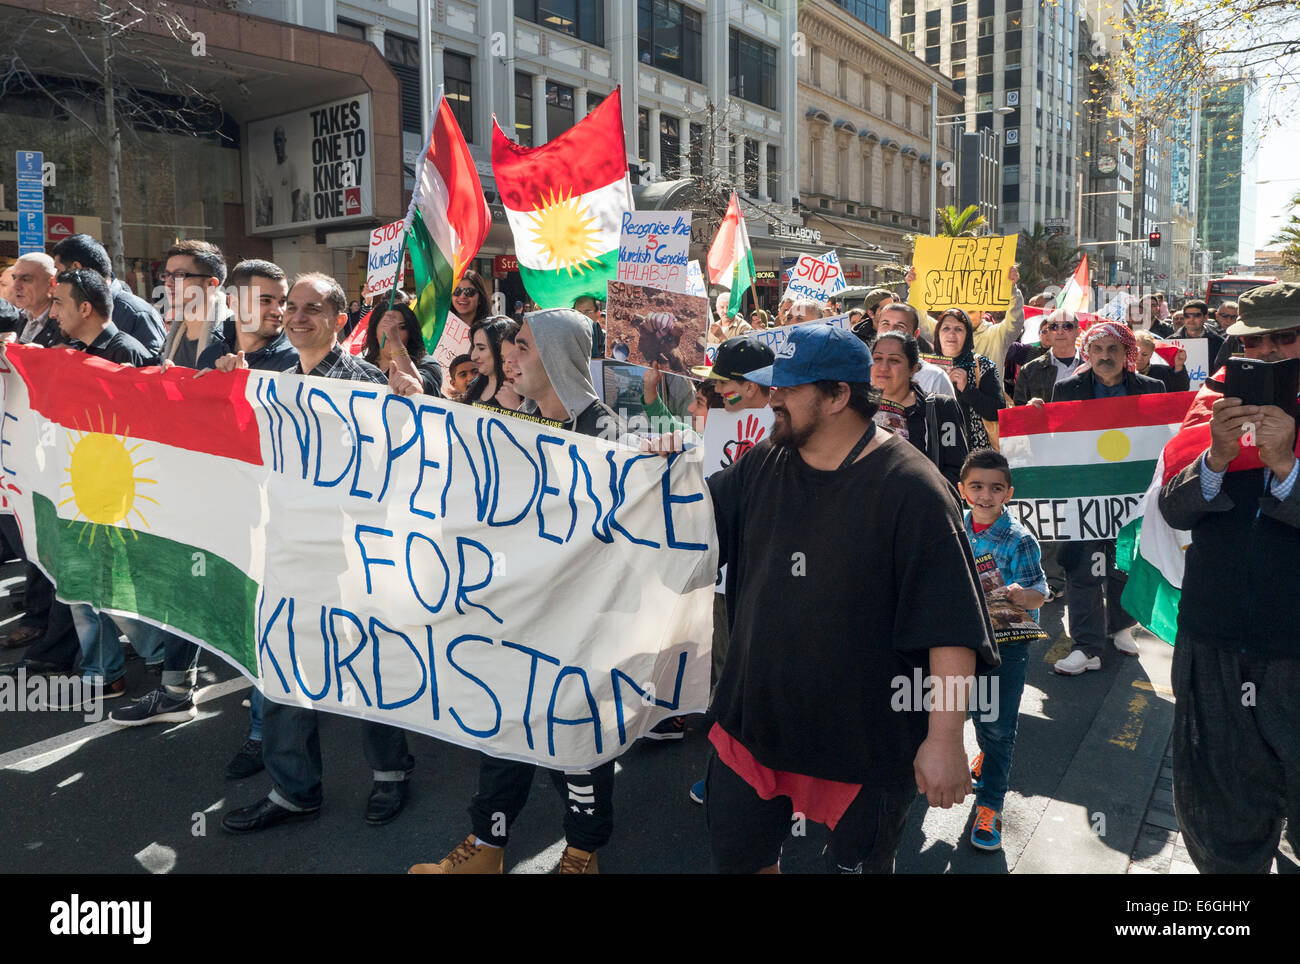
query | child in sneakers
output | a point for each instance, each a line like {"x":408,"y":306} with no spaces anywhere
{"x":986,"y":487}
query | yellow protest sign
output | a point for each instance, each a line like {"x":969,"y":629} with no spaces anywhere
{"x":966,"y":273}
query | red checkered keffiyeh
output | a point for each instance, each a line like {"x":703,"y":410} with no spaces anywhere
{"x":1112,"y":329}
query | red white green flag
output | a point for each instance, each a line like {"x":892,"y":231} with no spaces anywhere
{"x":1076,"y":295}
{"x":565,"y":202}
{"x":731,"y":262}
{"x":447,"y":222}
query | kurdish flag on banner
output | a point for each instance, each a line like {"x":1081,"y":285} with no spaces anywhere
{"x":135,"y":472}
{"x":1080,"y":468}
{"x":565,"y":202}
{"x":731,"y":262}
{"x":1076,"y":295}
{"x":447,"y":222}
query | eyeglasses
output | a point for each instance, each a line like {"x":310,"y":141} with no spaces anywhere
{"x":1276,"y":337}
{"x":1060,"y":326}
{"x":181,"y":275}
{"x":1226,"y":315}
{"x":465,"y":292}
{"x":1198,"y":314}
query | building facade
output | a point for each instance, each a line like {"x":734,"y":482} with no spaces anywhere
{"x":1229,"y":160}
{"x":1016,"y":54}
{"x":864,"y":129}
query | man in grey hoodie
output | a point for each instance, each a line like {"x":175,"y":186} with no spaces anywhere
{"x":554,"y":352}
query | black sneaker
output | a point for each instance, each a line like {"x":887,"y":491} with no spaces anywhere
{"x":673,"y":728}
{"x":246,"y":762}
{"x":158,"y":707}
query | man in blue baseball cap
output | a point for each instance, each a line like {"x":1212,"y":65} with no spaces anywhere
{"x":832,"y":718}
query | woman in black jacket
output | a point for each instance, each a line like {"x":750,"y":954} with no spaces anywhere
{"x":932,"y":423}
{"x":974,"y":377}
{"x":397,"y":340}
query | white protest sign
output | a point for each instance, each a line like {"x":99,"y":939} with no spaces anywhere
{"x":774,"y":338}
{"x":489,"y":580}
{"x":729,"y":435}
{"x":381,"y":260}
{"x":652,"y":249}
{"x":816,"y":278}
{"x":695,"y":280}
{"x":1197,"y":365}
{"x":454,"y":341}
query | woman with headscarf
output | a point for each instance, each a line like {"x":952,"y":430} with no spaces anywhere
{"x":974,"y":377}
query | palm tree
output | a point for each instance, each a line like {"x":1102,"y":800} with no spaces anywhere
{"x":960,"y":224}
{"x":1289,"y":236}
{"x":1031,"y":251}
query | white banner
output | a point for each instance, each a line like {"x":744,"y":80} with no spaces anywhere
{"x":491,"y":581}
{"x":1198,"y":358}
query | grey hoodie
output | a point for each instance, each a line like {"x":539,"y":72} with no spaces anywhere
{"x":563,"y":338}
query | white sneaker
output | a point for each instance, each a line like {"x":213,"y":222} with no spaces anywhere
{"x":1076,"y":663}
{"x":1125,"y":643}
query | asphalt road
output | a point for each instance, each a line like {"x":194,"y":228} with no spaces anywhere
{"x":93,"y":798}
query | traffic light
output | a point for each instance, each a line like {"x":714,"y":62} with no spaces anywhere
{"x":1153,"y":239}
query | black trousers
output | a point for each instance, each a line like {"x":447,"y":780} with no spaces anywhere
{"x":37,"y":600}
{"x":503,"y":787}
{"x":746,"y":832}
{"x":1236,"y":756}
{"x":1093,"y":590}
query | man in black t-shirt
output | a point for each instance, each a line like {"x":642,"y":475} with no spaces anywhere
{"x":836,"y":719}
{"x":81,"y":306}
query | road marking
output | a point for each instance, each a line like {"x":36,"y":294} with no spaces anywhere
{"x":157,"y":858}
{"x":542,"y":863}
{"x":1128,"y":734}
{"x":37,"y":756}
{"x":1152,"y":687}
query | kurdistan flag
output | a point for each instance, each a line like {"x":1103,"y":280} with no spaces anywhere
{"x":731,"y":262}
{"x":1080,"y":468}
{"x":565,"y":202}
{"x":128,"y":471}
{"x":447,"y":222}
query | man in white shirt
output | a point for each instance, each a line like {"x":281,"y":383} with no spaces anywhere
{"x":902,"y":317}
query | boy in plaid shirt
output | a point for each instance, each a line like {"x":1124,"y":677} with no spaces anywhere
{"x":986,"y":487}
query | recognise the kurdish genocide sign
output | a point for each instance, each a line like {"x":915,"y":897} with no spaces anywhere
{"x":311,"y":167}
{"x":966,"y":273}
{"x":1080,"y":469}
{"x":652,"y":249}
{"x":510,"y":587}
{"x":815,"y":277}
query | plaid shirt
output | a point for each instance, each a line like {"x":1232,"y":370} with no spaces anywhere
{"x":1014,"y":550}
{"x":341,"y":364}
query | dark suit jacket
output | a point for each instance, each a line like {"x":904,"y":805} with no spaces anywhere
{"x":1081,"y":388}
{"x":1173,"y":381}
{"x":1036,"y":380}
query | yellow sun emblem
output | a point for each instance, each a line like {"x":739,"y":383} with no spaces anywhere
{"x":563,"y":230}
{"x":102,"y":476}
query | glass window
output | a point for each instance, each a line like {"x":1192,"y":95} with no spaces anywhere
{"x":584,"y":19}
{"x":874,"y":13}
{"x":1013,"y":20}
{"x":773,"y":174}
{"x":984,"y":65}
{"x":753,"y":70}
{"x":670,"y":145}
{"x":524,"y":109}
{"x":457,"y":81}
{"x":347,"y":28}
{"x":697,"y":149}
{"x":909,"y":41}
{"x":984,"y":27}
{"x":403,"y":55}
{"x":959,"y":50}
{"x":958,"y":69}
{"x":669,"y":36}
{"x":751,"y":167}
{"x":932,"y":37}
{"x":1013,"y":58}
{"x":909,"y":8}
{"x":643,"y":133}
{"x":559,"y":109}
{"x":959,"y":31}
{"x":984,"y":102}
{"x":593,"y":100}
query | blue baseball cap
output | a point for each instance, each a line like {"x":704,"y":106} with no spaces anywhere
{"x":814,"y":353}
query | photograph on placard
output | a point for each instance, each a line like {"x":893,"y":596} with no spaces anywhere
{"x":648,"y":325}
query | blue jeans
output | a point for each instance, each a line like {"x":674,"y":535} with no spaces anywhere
{"x":997,"y":737}
{"x":101,"y":650}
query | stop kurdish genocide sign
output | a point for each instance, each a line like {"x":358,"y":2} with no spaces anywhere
{"x":966,"y":273}
{"x":506,"y":586}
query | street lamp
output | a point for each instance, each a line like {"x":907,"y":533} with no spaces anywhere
{"x":935,"y":121}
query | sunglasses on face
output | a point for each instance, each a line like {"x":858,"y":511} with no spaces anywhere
{"x":1198,"y":314}
{"x":464,"y":292}
{"x":1059,"y":326}
{"x":1277,"y":338}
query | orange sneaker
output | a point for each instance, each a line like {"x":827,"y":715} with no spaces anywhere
{"x":468,"y":858}
{"x":987,"y":832}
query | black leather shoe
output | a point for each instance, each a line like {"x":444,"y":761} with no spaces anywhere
{"x":246,"y":762}
{"x":387,"y":797}
{"x":264,"y":815}
{"x":23,"y":636}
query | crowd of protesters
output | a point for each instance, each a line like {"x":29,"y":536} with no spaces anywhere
{"x":887,"y":426}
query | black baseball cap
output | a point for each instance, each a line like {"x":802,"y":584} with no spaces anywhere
{"x":736,"y":358}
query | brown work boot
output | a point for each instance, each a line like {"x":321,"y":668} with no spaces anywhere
{"x":468,"y":858}
{"x":577,"y":861}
